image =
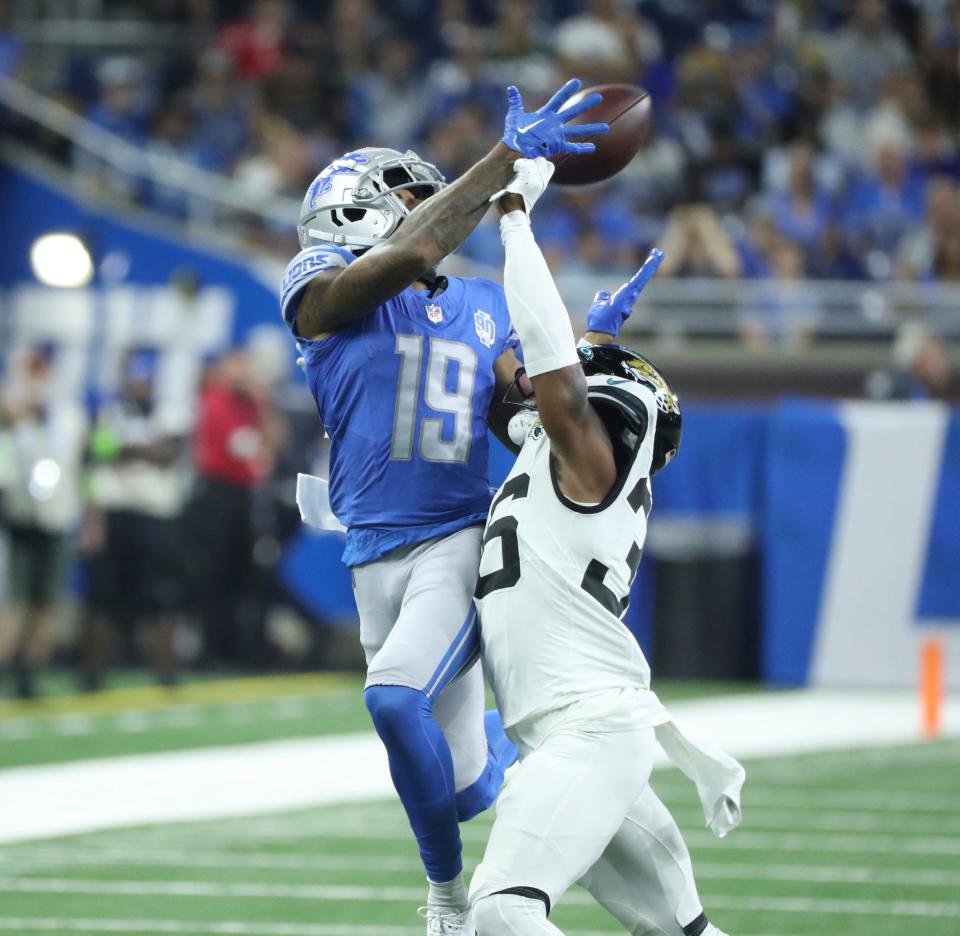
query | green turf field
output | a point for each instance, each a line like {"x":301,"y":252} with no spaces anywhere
{"x":859,"y":843}
{"x":139,"y":719}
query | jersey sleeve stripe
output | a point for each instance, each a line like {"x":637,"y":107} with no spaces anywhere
{"x":303,"y":268}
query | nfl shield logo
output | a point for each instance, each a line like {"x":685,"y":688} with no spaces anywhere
{"x":486,"y":328}
{"x":434,"y":313}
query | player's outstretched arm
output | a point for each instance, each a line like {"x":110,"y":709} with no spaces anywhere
{"x":586,"y":470}
{"x":336,"y":298}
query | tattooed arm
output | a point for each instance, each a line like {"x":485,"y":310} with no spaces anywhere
{"x":434,"y":229}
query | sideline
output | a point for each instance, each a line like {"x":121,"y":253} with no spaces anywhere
{"x":242,"y":780}
{"x":204,"y":691}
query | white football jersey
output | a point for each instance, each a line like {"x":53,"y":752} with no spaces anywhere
{"x":554,"y":582}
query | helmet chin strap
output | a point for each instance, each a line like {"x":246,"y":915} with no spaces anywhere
{"x":435,"y":283}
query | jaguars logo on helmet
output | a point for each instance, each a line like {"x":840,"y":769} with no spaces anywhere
{"x":353,"y":202}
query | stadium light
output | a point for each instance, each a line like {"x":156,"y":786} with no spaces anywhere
{"x":61,"y":260}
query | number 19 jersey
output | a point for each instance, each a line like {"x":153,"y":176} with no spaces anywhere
{"x":554,"y":583}
{"x":404,"y":395}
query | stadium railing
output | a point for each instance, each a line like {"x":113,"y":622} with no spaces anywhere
{"x":201,"y":187}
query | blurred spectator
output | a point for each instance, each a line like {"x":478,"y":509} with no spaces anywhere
{"x":122,"y":109}
{"x":920,"y":249}
{"x":696,"y":244}
{"x":946,"y":260}
{"x":783,"y":310}
{"x":122,"y":106}
{"x":464,"y":80}
{"x":940,"y":61}
{"x":357,"y":29}
{"x":802,"y":210}
{"x":131,"y":530}
{"x":40,"y":508}
{"x":607,"y":42}
{"x":391,"y":101}
{"x":279,"y":164}
{"x":918,"y":367}
{"x":866,"y":50}
{"x":519,"y":47}
{"x":885,"y":203}
{"x":256,"y":43}
{"x":233,"y":453}
{"x":173,"y":139}
{"x":220,"y":109}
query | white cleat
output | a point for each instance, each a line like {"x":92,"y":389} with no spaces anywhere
{"x":442,"y":921}
{"x":711,"y":930}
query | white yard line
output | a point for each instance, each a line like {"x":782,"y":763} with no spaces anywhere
{"x":888,"y":801}
{"x":321,"y":892}
{"x":224,"y":928}
{"x":51,"y":858}
{"x":231,"y":928}
{"x":38,"y":802}
{"x":688,"y":813}
{"x":744,"y":839}
{"x":118,"y":857}
{"x":206,"y":927}
{"x":830,"y":905}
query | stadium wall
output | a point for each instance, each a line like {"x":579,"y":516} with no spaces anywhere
{"x":852,"y":507}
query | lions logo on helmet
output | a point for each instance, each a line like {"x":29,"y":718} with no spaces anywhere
{"x":353,"y":202}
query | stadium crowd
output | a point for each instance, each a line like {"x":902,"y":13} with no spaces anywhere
{"x":794,"y":138}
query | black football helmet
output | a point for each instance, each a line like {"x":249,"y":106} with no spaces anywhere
{"x":613,"y":372}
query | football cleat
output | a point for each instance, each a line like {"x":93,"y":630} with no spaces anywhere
{"x":442,"y":921}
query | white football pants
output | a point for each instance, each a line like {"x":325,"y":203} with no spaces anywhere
{"x":580,"y":808}
{"x":418,"y":627}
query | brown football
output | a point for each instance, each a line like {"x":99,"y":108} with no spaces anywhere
{"x":626,"y":108}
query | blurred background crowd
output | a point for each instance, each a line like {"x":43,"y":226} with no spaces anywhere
{"x":803,"y":178}
{"x":163,"y":528}
{"x":793,"y":138}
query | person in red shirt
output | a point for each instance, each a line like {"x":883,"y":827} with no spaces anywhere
{"x":256,"y":43}
{"x":233,"y":454}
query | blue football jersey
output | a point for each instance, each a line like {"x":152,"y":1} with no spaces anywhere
{"x":404,"y":395}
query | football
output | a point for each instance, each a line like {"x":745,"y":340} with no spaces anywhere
{"x":626,"y":108}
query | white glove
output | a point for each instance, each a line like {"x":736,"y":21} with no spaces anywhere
{"x":529,"y":182}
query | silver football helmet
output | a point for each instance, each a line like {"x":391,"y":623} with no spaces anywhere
{"x":353,"y":202}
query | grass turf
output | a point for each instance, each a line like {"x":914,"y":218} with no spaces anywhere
{"x":856,"y":842}
{"x":141,"y":719}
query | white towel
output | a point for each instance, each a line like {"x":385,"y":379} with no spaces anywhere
{"x":313,"y":499}
{"x":717,"y":776}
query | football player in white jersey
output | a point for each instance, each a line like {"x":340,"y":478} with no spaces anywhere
{"x":562,"y":544}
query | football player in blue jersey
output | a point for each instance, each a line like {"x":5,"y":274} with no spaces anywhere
{"x":408,"y":368}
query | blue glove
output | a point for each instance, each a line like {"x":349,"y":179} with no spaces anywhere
{"x":608,"y":312}
{"x":544,"y":132}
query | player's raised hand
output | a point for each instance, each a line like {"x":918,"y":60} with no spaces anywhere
{"x":608,"y":313}
{"x":544,"y":132}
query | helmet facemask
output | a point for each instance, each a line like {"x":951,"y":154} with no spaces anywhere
{"x":354,"y":202}
{"x":612,"y":368}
